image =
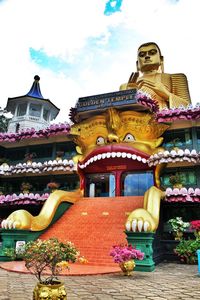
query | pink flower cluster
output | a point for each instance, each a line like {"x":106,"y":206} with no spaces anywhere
{"x":184,"y":113}
{"x":122,"y":253}
{"x":169,"y":115}
{"x":195,"y":225}
{"x":182,"y":195}
{"x":53,"y":129}
{"x":30,"y":198}
{"x":37,"y":167}
{"x":145,"y":99}
{"x":174,"y":156}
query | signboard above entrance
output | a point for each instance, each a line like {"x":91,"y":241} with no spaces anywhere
{"x":120,"y":99}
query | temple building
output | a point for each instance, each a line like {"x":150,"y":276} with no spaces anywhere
{"x":127,"y":164}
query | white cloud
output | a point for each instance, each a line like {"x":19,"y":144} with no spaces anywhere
{"x":64,"y":28}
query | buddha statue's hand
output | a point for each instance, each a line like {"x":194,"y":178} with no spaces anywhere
{"x":140,"y":220}
{"x":158,"y":87}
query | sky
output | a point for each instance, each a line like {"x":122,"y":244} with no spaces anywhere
{"x":86,"y":47}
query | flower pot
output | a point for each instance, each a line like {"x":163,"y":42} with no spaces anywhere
{"x":197,"y":234}
{"x":25,"y":191}
{"x":177,"y":185}
{"x":54,"y":291}
{"x":178,"y":235}
{"x":127,"y":267}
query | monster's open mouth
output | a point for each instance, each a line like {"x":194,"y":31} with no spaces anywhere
{"x":117,"y":151}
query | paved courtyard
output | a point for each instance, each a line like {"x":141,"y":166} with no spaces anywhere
{"x":168,"y":281}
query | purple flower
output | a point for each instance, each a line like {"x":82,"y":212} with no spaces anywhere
{"x":122,"y":253}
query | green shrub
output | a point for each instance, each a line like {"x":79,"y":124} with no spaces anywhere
{"x":187,"y":251}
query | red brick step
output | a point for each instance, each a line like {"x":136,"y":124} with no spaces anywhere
{"x":94,"y":225}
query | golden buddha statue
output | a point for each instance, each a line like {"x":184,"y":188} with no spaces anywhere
{"x":168,"y":90}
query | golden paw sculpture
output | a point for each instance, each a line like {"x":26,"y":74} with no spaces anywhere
{"x":22,"y":219}
{"x":147,"y":218}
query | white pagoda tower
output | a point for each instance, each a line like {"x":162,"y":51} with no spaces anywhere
{"x":31,"y":110}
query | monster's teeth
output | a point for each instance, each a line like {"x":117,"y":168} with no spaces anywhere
{"x":103,"y":155}
{"x":139,"y":158}
{"x":128,"y":155}
{"x":133,"y":156}
{"x":99,"y":156}
{"x":108,"y":154}
{"x":144,"y":160}
{"x":123,"y":154}
{"x":95,"y":158}
{"x":113,"y":154}
{"x":87,"y":163}
{"x":119,"y":154}
{"x":91,"y":160}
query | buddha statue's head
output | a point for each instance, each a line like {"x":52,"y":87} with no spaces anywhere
{"x":149,"y":58}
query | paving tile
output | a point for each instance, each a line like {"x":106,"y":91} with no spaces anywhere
{"x":167,"y":282}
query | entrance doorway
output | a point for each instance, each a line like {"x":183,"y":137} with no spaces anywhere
{"x":100,"y":185}
{"x":118,"y":183}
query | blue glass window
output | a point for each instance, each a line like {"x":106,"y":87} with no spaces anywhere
{"x":137,"y":183}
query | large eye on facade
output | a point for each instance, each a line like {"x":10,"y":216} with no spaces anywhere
{"x":100,"y":141}
{"x":129,"y":138}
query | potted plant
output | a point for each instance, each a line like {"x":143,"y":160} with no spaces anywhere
{"x":178,"y":226}
{"x":53,"y":185}
{"x":49,"y":257}
{"x":187,"y":251}
{"x":59,"y":155}
{"x":176,"y":180}
{"x":195,"y":225}
{"x":25,"y":187}
{"x":124,"y":255}
{"x":28,"y":158}
{"x":2,"y":190}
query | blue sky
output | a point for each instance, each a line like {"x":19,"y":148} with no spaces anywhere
{"x":81,"y":48}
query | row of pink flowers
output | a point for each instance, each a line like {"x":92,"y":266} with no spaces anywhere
{"x":38,"y":167}
{"x":185,"y":113}
{"x":182,"y":195}
{"x":174,"y":156}
{"x":21,"y":198}
{"x":145,"y":100}
{"x":53,"y":129}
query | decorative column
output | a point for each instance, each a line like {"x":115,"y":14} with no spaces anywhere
{"x":142,"y":241}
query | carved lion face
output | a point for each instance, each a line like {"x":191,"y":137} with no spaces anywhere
{"x":134,"y":131}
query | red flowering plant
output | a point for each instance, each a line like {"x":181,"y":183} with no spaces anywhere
{"x":195,"y":225}
{"x":123,"y":253}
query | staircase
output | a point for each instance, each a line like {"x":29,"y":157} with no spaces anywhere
{"x":94,"y":225}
